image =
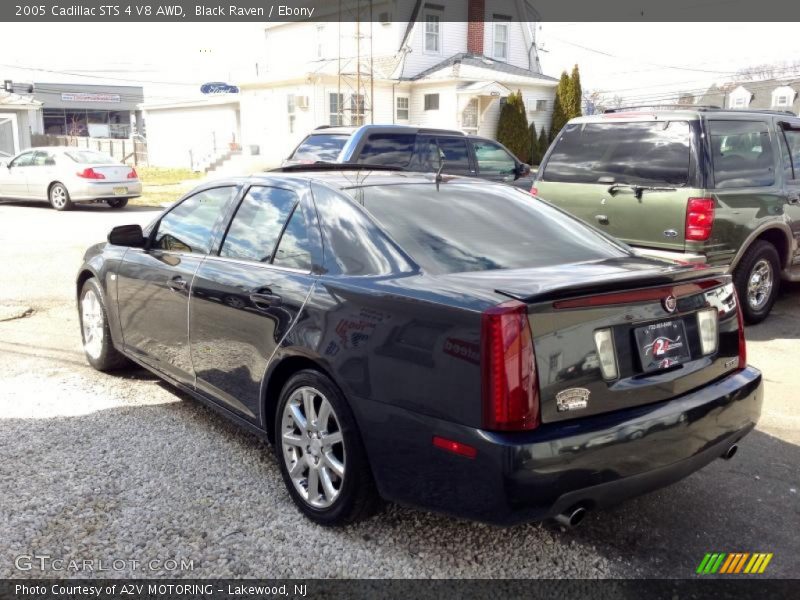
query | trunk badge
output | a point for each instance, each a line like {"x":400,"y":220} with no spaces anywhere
{"x":670,"y":304}
{"x":572,"y":399}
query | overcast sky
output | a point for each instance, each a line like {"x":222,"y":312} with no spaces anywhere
{"x":632,"y":60}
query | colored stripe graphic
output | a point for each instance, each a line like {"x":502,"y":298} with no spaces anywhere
{"x":734,"y":563}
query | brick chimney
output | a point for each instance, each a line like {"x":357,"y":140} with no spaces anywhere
{"x":476,"y":12}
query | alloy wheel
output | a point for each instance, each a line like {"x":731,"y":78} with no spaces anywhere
{"x":759,"y":284}
{"x":313,"y":447}
{"x":92,"y":324}
{"x":58,"y":196}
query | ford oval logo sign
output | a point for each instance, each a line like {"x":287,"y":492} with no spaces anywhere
{"x":670,"y":304}
{"x":218,"y":87}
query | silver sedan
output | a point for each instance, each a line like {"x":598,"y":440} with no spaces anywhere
{"x":64,"y":176}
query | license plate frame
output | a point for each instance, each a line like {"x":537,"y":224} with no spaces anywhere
{"x":662,"y":345}
{"x":120,"y":190}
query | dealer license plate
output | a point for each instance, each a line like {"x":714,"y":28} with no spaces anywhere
{"x":662,"y":345}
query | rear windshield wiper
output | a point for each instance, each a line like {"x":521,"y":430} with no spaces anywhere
{"x":639,"y":189}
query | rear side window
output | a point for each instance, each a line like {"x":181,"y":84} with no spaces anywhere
{"x":320,"y":147}
{"x":480,"y":227}
{"x":189,"y":227}
{"x":432,"y":152}
{"x":257,"y":224}
{"x":646,"y":153}
{"x":792,"y":163}
{"x":742,"y":155}
{"x":293,"y":250}
{"x":393,"y":149}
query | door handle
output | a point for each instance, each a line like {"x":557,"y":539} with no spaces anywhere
{"x":263,"y":300}
{"x":602,"y":219}
{"x":177,"y":284}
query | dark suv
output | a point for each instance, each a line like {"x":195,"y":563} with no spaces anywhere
{"x":700,"y":184}
{"x":414,"y":148}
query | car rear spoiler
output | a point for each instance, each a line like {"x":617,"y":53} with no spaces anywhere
{"x":637,"y":280}
{"x":328,"y":166}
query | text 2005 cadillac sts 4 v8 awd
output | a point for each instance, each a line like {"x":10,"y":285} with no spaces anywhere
{"x":447,"y":343}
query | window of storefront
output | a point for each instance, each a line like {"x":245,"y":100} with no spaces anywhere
{"x":87,"y":123}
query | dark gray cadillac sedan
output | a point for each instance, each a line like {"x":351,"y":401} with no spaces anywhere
{"x":443,"y":342}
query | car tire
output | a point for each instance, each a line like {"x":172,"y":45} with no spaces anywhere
{"x":59,"y":196}
{"x":117,"y":202}
{"x":757,"y":279}
{"x":307,"y":458}
{"x":95,"y":332}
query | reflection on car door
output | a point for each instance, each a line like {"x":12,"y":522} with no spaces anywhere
{"x":153,"y":283}
{"x":13,"y":183}
{"x":245,"y":299}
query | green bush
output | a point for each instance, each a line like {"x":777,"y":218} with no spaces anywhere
{"x":512,"y":127}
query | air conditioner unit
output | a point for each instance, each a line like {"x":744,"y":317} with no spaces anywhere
{"x":301,"y":101}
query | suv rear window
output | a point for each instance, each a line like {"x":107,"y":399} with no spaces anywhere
{"x":321,"y":147}
{"x":742,"y":154}
{"x":642,"y":153}
{"x":479,"y":227}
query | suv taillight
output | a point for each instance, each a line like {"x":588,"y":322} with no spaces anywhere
{"x":699,"y":218}
{"x":90,"y":173}
{"x":742,"y":341}
{"x":508,"y":369}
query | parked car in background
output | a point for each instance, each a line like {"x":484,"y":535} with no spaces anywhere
{"x":406,"y":336}
{"x":416,"y":149}
{"x":692,"y":183}
{"x":65,"y":176}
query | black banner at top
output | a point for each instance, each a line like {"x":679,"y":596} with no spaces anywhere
{"x":398,"y":10}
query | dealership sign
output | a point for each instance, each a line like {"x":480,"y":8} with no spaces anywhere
{"x":89,"y":97}
{"x":218,"y":87}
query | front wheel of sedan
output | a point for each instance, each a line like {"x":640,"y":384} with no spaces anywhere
{"x":59,"y":197}
{"x":320,"y":453}
{"x":95,"y":333}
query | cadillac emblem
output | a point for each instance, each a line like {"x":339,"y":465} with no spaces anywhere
{"x":572,"y":399}
{"x":670,"y":304}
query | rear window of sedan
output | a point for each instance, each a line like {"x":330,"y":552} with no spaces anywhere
{"x":90,"y":157}
{"x":320,"y":147}
{"x":473,"y":227}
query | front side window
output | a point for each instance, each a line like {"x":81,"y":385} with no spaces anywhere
{"x":644,"y":153}
{"x":189,"y":227}
{"x":493,"y":159}
{"x":431,"y":102}
{"x":741,"y":152}
{"x":43,"y":159}
{"x":257,"y":224}
{"x":432,"y":33}
{"x":501,"y":40}
{"x":23,"y":160}
{"x":402,"y":108}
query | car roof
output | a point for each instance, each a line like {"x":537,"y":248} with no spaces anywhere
{"x":675,"y":113}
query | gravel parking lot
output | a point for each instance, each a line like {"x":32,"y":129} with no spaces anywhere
{"x":125,"y":468}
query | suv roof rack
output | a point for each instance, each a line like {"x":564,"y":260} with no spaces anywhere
{"x":327,"y":166}
{"x":664,"y":107}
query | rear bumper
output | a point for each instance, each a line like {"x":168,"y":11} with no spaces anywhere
{"x":688,"y":257}
{"x":595,"y":461}
{"x":84,"y":191}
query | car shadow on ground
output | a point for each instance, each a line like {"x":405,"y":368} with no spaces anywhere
{"x":82,"y":207}
{"x":782,"y":322}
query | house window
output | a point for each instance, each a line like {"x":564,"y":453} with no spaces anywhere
{"x":738,"y":102}
{"x":782,"y":100}
{"x":402,"y":108}
{"x":501,"y":40}
{"x":290,"y":111}
{"x":541,"y":105}
{"x":432,"y":33}
{"x":335,"y":102}
{"x":356,"y":109}
{"x":431,"y":101}
{"x":320,"y":37}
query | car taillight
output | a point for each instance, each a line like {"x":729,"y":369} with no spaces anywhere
{"x":534,"y":191}
{"x":742,"y":341}
{"x":508,"y":369}
{"x":133,"y":174}
{"x":699,"y":218}
{"x":90,"y":173}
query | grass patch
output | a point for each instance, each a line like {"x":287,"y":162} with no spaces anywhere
{"x":159,"y":176}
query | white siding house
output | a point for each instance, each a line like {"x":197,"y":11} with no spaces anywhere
{"x":445,"y":64}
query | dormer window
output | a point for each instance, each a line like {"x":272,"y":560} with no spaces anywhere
{"x":783,"y":96}
{"x":433,"y":36}
{"x":739,"y":102}
{"x":782,"y":100}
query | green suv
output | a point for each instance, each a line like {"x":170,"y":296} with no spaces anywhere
{"x":698,"y":184}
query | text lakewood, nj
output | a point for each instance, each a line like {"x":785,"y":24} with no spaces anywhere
{"x":233,"y":10}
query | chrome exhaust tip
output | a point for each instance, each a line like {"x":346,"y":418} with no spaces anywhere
{"x":572,"y":517}
{"x":730,"y":452}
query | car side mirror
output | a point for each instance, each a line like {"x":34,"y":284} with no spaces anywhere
{"x":130,"y":236}
{"x":523,"y":170}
